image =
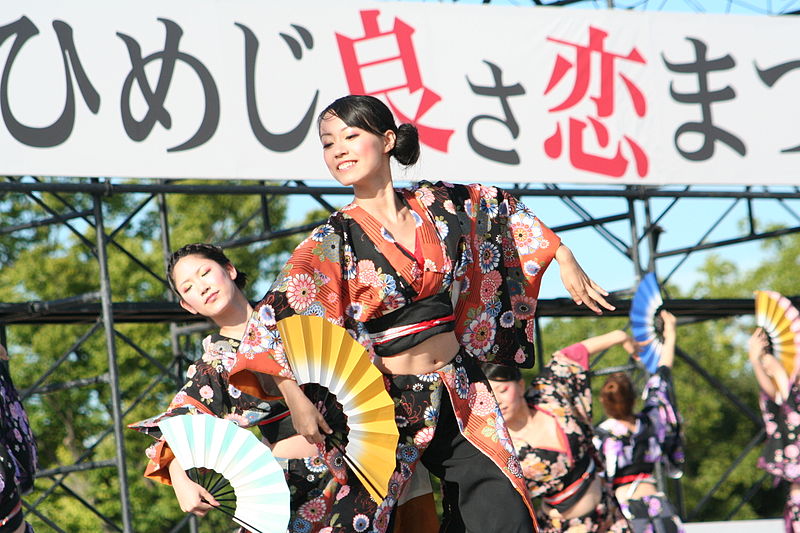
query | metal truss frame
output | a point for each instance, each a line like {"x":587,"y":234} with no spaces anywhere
{"x":101,"y":313}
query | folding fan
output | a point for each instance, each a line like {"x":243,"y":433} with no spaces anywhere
{"x":234,"y":466}
{"x":779,"y":318}
{"x":646,"y":302}
{"x":323,"y":353}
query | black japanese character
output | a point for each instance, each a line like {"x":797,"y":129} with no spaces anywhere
{"x":60,"y":130}
{"x":278,"y":142}
{"x":503,"y":92}
{"x":711,"y":133}
{"x":138,"y":130}
{"x":770,"y":77}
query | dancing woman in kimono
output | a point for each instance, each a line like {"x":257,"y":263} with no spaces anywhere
{"x":209,"y":285}
{"x":552,"y":430}
{"x":18,"y":457}
{"x":633,"y":443}
{"x":431,"y":280}
{"x":780,"y":408}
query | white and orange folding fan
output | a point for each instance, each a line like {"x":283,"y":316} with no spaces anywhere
{"x":781,"y":322}
{"x":234,"y":466}
{"x":324,"y":353}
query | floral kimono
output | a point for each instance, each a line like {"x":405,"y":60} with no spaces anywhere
{"x":208,"y":391}
{"x":630,"y":457}
{"x":484,"y":255}
{"x":781,"y":454}
{"x":563,"y":392}
{"x":311,"y":486}
{"x":18,"y":459}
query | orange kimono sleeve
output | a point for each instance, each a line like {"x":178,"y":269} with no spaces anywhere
{"x":160,"y":456}
{"x":310,"y":283}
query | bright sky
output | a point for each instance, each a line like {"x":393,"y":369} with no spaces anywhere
{"x":685,"y":223}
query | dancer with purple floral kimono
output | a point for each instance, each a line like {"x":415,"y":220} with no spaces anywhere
{"x":633,"y":443}
{"x":18,"y":460}
{"x":780,"y":408}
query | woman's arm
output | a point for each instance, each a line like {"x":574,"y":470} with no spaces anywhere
{"x":600,"y":343}
{"x":306,"y":418}
{"x":582,"y":289}
{"x":668,"y":350}
{"x":580,"y":352}
{"x":757,"y":350}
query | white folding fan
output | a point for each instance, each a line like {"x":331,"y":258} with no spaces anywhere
{"x":323,"y":353}
{"x":234,"y":466}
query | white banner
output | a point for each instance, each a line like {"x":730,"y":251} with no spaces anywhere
{"x":232,"y":88}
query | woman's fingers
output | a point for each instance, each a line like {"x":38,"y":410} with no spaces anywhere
{"x":592,"y":297}
{"x":599,"y":297}
{"x":668,"y":318}
{"x":598,"y":288}
{"x":324,"y":425}
{"x":591,"y":303}
{"x":314,"y":437}
{"x":199,"y":506}
{"x":207,"y":497}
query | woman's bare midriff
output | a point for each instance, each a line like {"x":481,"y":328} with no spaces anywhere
{"x":582,"y":507}
{"x":623,"y":492}
{"x":428,"y":356}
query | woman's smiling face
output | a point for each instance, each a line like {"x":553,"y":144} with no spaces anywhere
{"x":354,"y":156}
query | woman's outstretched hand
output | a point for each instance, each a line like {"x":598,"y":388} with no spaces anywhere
{"x":632,"y":346}
{"x":581,"y":288}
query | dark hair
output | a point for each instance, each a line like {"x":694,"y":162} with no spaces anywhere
{"x":501,"y":372}
{"x":617,"y":396}
{"x":372,"y":115}
{"x":209,"y":251}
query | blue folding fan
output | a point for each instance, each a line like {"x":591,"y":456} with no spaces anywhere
{"x":234,"y":466}
{"x":645,"y":303}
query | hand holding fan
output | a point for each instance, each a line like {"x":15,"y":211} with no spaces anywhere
{"x":779,"y":319}
{"x":234,"y":466}
{"x":645,"y":303}
{"x":322,"y":353}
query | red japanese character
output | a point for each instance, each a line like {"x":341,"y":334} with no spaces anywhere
{"x":604,"y":107}
{"x":380,"y":52}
